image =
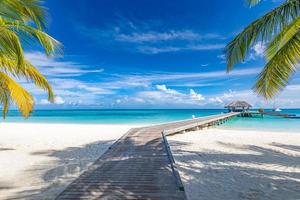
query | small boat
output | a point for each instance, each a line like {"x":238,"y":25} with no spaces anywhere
{"x":293,"y":117}
{"x":277,"y":110}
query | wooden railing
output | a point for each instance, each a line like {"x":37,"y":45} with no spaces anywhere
{"x":207,"y":121}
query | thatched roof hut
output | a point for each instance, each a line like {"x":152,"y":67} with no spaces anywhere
{"x":238,"y":106}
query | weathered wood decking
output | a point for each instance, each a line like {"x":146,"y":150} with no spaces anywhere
{"x":137,"y":166}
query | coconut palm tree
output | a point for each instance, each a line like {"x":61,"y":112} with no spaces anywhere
{"x":22,"y":21}
{"x":279,"y":29}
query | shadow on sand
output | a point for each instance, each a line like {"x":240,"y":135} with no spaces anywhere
{"x":120,"y":173}
{"x":131,"y":170}
{"x":217,"y":175}
{"x":69,"y":164}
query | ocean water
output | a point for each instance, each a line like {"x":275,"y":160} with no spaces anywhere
{"x":267,"y":123}
{"x":155,"y":116}
{"x":111,"y":116}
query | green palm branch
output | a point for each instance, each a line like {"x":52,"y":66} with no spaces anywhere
{"x":22,"y":21}
{"x":30,"y":73}
{"x":279,"y":29}
{"x":25,"y":11}
{"x":11,"y":90}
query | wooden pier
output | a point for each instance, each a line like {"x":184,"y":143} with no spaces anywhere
{"x":262,"y":114}
{"x":139,"y":165}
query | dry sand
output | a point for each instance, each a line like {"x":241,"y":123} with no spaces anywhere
{"x":232,"y":164}
{"x":37,"y":161}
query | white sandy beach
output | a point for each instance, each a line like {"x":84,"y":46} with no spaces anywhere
{"x":233,"y":164}
{"x":37,"y":161}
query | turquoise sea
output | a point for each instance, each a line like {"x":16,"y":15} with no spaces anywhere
{"x":154,"y":116}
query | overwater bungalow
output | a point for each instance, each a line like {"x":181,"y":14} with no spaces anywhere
{"x":238,"y":106}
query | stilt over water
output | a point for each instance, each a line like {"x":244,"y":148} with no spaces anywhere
{"x":138,"y":166}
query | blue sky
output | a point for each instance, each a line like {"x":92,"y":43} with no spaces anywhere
{"x":151,"y":54}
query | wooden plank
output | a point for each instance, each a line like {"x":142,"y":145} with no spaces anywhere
{"x":137,"y":166}
{"x":199,"y":122}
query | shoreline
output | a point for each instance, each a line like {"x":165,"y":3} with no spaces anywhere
{"x":79,"y":124}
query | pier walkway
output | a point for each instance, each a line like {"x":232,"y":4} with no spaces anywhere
{"x":137,"y":166}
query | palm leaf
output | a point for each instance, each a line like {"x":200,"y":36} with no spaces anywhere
{"x":16,"y":28}
{"x":4,"y":100}
{"x":24,"y":10}
{"x":22,"y":21}
{"x":282,"y":38}
{"x":17,"y":93}
{"x":279,"y":69}
{"x":49,"y":44}
{"x":262,"y":29}
{"x":8,"y":65}
{"x":10,"y":44}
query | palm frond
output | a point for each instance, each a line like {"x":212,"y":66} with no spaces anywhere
{"x":33,"y":10}
{"x":10,"y":44}
{"x":279,"y":69}
{"x":39,"y":80}
{"x":262,"y":29}
{"x":8,"y":65}
{"x":24,"y":10}
{"x":4,"y":100}
{"x":49,"y":44}
{"x":21,"y":21}
{"x":282,"y":38}
{"x":17,"y":93}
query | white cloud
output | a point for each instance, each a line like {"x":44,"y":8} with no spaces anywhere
{"x":142,"y":81}
{"x":118,"y":101}
{"x":146,"y":79}
{"x":294,"y":88}
{"x":55,"y":67}
{"x":256,"y":52}
{"x":161,"y":87}
{"x":167,"y":49}
{"x":152,"y":36}
{"x":151,"y":88}
{"x":44,"y":102}
{"x":230,"y":94}
{"x":195,"y":96}
{"x":222,"y":57}
{"x":164,"y":96}
{"x":145,"y":38}
{"x":164,"y":88}
{"x":57,"y":100}
{"x":216,"y":100}
{"x":71,"y":92}
{"x":259,"y":49}
{"x":191,"y":84}
{"x":288,"y":98}
{"x":80,"y":86}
